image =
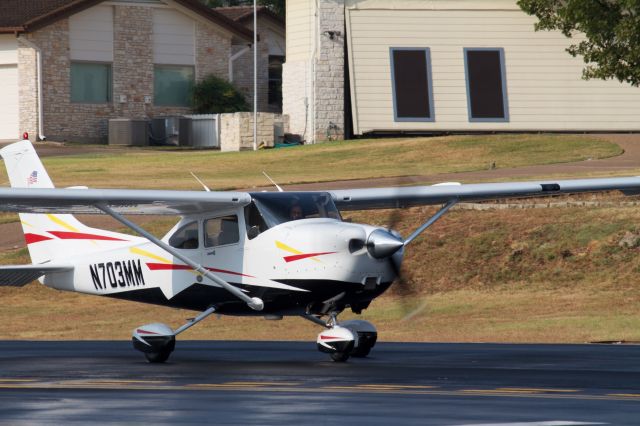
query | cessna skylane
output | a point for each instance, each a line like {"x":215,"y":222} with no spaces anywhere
{"x":269,"y":254}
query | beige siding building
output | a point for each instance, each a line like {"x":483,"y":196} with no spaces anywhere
{"x":442,"y":65}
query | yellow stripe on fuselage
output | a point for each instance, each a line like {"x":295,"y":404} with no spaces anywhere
{"x":285,"y":247}
{"x":141,"y":252}
{"x":62,"y":223}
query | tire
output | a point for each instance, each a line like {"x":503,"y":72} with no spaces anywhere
{"x":157,"y":357}
{"x":361,"y":352}
{"x":340,"y":356}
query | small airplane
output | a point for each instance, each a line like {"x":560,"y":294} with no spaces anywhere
{"x":270,"y":254}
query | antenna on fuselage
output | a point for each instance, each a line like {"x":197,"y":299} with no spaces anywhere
{"x":206,"y":188}
{"x":271,"y":180}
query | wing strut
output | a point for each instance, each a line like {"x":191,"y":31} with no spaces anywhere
{"x":431,"y":221}
{"x":254,"y":303}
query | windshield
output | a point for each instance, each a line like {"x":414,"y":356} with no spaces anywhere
{"x":273,"y":208}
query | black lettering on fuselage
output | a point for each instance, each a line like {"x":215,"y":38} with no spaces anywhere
{"x":111,"y":273}
{"x":137,"y":270}
{"x":128,"y":273}
{"x":95,"y":277}
{"x":120,"y":275}
{"x":123,"y":273}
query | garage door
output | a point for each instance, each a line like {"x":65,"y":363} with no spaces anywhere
{"x":9,"y":102}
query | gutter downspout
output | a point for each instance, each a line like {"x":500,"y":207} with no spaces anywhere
{"x":28,"y":43}
{"x":233,"y":58}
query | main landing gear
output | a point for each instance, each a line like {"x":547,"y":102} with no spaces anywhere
{"x":157,"y":340}
{"x":342,"y":340}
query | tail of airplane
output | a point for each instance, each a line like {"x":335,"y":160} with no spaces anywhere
{"x":51,"y":236}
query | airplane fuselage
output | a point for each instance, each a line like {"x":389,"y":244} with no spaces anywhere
{"x":302,"y":266}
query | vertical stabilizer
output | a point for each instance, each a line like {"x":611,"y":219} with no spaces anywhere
{"x":51,"y":236}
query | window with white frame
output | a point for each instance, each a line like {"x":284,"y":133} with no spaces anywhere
{"x":486,"y":85}
{"x":411,"y":84}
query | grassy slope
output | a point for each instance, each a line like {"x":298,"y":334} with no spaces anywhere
{"x":525,"y":275}
{"x":323,"y":162}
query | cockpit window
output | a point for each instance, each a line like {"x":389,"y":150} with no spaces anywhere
{"x":221,"y":231}
{"x":186,"y":237}
{"x":273,"y":208}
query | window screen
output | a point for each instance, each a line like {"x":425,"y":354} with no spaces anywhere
{"x":485,"y":85}
{"x":411,"y":84}
{"x":90,"y":83}
{"x":172,"y":85}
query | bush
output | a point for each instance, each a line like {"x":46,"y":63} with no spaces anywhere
{"x":214,"y":95}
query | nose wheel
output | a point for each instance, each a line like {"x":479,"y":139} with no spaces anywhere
{"x":343,"y":340}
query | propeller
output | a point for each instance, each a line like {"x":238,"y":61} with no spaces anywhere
{"x":387,"y":243}
{"x":390,"y":244}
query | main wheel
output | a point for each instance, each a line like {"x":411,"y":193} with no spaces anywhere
{"x":157,"y":357}
{"x":340,"y":356}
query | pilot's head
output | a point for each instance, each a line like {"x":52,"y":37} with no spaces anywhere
{"x":295,"y":212}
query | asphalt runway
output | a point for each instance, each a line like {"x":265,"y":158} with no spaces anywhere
{"x":282,"y":383}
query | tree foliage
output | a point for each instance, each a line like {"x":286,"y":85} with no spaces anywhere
{"x":214,"y":95}
{"x":611,"y":43}
{"x":276,"y":6}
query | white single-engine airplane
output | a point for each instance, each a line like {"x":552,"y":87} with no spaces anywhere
{"x":265,"y":253}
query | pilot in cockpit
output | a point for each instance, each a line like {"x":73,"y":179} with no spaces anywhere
{"x":295,"y":213}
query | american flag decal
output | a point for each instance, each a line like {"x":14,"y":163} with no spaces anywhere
{"x":33,"y":178}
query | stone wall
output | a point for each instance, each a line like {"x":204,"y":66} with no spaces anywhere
{"x":313,"y":89}
{"x":329,"y":72}
{"x":132,"y":73}
{"x":236,"y":130}
{"x":62,"y":119}
{"x":212,"y":52}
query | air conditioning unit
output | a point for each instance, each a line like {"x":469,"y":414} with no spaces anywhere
{"x":128,"y":132}
{"x":199,"y":131}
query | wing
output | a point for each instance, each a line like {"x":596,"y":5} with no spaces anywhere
{"x":20,"y":275}
{"x":379,"y":198}
{"x":125,"y":201}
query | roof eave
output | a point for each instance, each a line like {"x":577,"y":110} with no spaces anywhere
{"x":217,"y":18}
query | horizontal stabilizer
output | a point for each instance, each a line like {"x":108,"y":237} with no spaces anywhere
{"x":20,"y":275}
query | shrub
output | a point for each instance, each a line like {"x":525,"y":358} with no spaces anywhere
{"x":214,"y":95}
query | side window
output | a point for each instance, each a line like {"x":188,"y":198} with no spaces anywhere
{"x":221,"y":231}
{"x":186,"y":237}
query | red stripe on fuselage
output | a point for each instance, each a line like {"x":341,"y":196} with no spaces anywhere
{"x":35,"y":238}
{"x":140,"y":331}
{"x":171,"y":266}
{"x":305,"y":256}
{"x":64,"y":235}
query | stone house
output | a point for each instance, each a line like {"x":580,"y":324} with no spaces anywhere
{"x":356,"y":67}
{"x":271,"y":56}
{"x":68,"y":66}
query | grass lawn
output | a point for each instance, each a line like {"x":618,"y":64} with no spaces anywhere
{"x":541,"y":275}
{"x":144,"y":168}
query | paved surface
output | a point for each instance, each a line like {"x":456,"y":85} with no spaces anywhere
{"x":281,"y":383}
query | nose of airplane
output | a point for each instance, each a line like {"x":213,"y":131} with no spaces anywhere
{"x":382,"y":243}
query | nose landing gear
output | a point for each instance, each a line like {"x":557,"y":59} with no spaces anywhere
{"x":342,"y":340}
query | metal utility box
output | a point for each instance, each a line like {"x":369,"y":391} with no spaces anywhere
{"x":128,"y":132}
{"x":199,"y":131}
{"x":164,"y":131}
